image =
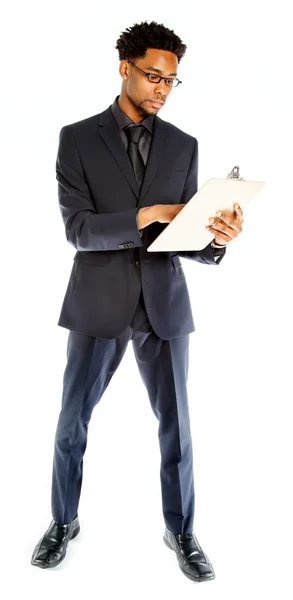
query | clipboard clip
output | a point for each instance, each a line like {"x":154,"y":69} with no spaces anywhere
{"x":234,"y":174}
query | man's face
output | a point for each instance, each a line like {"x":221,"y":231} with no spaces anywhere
{"x":147,"y":97}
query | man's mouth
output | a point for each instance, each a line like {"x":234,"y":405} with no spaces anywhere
{"x":156,"y":103}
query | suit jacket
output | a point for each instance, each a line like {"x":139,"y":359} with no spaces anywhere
{"x":99,"y":200}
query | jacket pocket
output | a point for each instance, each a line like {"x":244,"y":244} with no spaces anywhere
{"x":100,"y":258}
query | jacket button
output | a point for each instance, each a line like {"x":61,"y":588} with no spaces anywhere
{"x":137,"y":263}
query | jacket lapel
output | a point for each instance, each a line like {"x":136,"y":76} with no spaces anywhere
{"x":109,"y":132}
{"x":156,"y":155}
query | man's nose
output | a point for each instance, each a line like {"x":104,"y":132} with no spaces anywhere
{"x":161,"y":88}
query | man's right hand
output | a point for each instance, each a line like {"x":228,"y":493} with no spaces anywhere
{"x":167,"y":212}
{"x":162,"y":213}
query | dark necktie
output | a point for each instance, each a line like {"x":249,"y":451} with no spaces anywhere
{"x":134,"y":134}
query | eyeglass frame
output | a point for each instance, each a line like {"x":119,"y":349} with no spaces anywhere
{"x":159,"y":76}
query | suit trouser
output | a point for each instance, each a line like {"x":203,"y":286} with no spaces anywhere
{"x":163,"y":366}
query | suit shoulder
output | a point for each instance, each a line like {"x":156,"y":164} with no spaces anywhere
{"x":176,"y":131}
{"x":82,"y":125}
{"x":89,"y":124}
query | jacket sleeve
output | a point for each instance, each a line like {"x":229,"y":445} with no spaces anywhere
{"x":207,"y":255}
{"x":86,"y":229}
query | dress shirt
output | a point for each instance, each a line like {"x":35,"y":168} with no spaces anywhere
{"x":122,"y":121}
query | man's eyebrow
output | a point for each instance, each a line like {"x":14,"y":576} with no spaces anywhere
{"x":159,"y":71}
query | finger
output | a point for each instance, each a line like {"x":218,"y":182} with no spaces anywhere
{"x":222,"y":227}
{"x":222,"y":238}
{"x":238,"y":211}
{"x":229,"y":220}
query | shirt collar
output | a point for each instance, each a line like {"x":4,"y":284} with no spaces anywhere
{"x":122,"y":119}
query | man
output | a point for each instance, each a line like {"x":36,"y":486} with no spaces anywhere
{"x":123,"y":175}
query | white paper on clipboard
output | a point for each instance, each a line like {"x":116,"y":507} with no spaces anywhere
{"x":187,"y":230}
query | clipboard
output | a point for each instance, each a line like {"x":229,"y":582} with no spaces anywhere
{"x":187,"y":230}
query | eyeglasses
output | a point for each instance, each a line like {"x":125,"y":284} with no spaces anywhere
{"x":157,"y":78}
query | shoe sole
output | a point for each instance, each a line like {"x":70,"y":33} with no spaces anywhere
{"x":195,"y":579}
{"x":50,"y":566}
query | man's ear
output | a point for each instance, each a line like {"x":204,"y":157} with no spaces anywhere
{"x":123,"y":69}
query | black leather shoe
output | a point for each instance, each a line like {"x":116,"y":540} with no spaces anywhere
{"x":193,"y":562}
{"x":51,"y":548}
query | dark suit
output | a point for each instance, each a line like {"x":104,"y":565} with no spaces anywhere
{"x":117,"y":291}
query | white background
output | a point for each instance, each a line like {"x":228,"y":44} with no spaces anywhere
{"x":59,"y":65}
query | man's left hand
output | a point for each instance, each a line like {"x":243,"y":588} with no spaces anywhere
{"x":226,"y":226}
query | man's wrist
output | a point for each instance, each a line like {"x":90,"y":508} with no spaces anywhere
{"x":145,"y":216}
{"x":215,"y":245}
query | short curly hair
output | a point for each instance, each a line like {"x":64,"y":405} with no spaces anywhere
{"x":135,"y":41}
